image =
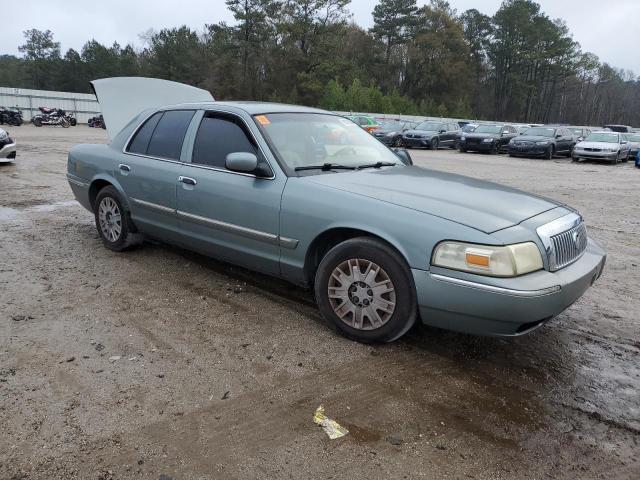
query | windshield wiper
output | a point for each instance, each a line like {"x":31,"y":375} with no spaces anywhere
{"x":377,"y":165}
{"x":325,"y":167}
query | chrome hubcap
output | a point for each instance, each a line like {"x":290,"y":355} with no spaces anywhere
{"x":110,"y":219}
{"x":362,"y":294}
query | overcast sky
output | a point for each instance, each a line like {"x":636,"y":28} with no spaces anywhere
{"x":609,"y":29}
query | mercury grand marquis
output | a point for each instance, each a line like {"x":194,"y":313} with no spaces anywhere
{"x":308,"y":196}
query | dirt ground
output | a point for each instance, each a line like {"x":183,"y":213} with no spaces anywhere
{"x":162,"y":364}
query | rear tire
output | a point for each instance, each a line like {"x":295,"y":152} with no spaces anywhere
{"x":373,"y":298}
{"x":37,"y":122}
{"x":113,"y":222}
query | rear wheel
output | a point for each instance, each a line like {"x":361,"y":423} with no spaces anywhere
{"x":37,"y":121}
{"x":365,"y":289}
{"x":112,"y":221}
{"x":64,"y":122}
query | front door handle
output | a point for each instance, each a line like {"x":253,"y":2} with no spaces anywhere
{"x":187,"y":180}
{"x":124,"y":168}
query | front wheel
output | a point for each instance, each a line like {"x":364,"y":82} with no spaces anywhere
{"x":434,"y":144}
{"x":365,"y":289}
{"x":112,"y":221}
{"x":549,"y":153}
{"x":397,"y":142}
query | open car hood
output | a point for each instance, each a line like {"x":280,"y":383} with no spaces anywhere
{"x":122,"y":98}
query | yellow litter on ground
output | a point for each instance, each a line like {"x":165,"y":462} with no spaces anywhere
{"x":332,"y":428}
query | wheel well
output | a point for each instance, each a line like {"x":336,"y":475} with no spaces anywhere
{"x":329,"y":239}
{"x":95,"y":188}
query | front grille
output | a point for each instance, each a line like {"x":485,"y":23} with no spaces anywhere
{"x":473,"y":141}
{"x":588,"y":149}
{"x":569,"y":246}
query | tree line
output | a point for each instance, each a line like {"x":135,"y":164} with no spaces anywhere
{"x":517,"y":65}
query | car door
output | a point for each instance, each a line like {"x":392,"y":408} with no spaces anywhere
{"x":230,"y":215}
{"x":508,"y":134}
{"x":148,"y":170}
{"x":567,"y":140}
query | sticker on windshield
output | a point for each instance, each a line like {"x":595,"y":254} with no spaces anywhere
{"x":263,"y":120}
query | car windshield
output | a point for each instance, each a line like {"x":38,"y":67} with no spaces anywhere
{"x":430,"y":126}
{"x":633,"y":138}
{"x":309,"y":139}
{"x":540,"y":132}
{"x":488,"y":129}
{"x":577,"y":131}
{"x":469,"y":128}
{"x":603,"y":137}
{"x":391,"y":126}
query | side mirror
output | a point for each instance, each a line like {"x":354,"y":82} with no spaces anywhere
{"x":403,"y":155}
{"x":580,"y":139}
{"x":558,"y":136}
{"x":623,"y":142}
{"x":443,"y":131}
{"x":244,"y":162}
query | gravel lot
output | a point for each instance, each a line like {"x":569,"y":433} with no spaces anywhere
{"x":159,"y":363}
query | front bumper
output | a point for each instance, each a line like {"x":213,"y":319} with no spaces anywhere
{"x":8,"y":152}
{"x":416,"y":142}
{"x":606,"y":156}
{"x":529,"y":151}
{"x":478,"y":147}
{"x":503,"y":307}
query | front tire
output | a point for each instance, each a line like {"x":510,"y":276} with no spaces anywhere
{"x":365,"y":289}
{"x":549,"y":153}
{"x":112,"y":221}
{"x":434,"y":144}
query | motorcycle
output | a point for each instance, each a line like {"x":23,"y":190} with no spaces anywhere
{"x":11,"y":116}
{"x":51,"y":116}
{"x":97,"y":122}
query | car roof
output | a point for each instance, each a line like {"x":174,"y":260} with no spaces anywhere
{"x":252,"y":108}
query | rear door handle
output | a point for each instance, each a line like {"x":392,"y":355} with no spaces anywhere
{"x":187,"y":180}
{"x":124,"y":168}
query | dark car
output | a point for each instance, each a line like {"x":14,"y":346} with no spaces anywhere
{"x":488,"y":138}
{"x":432,"y":134}
{"x":619,"y":128}
{"x":390,"y":133}
{"x":543,"y":142}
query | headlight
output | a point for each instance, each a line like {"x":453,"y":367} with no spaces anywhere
{"x":390,"y":134}
{"x":487,"y":140}
{"x":493,"y":261}
{"x":462,"y":139}
{"x":3,"y":135}
{"x":542,"y":143}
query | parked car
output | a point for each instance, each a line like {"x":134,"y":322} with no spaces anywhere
{"x":11,"y":116}
{"x":619,"y":128}
{"x":612,"y":147}
{"x":543,"y":142}
{"x":580,"y":133}
{"x":7,"y":147}
{"x":390,"y":132}
{"x":382,"y":244}
{"x":488,"y":138}
{"x":432,"y":135}
{"x":634,"y":144}
{"x":367,"y":123}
